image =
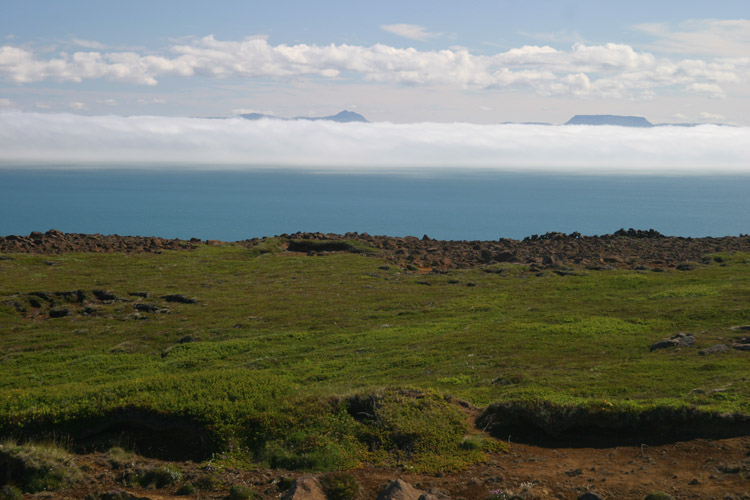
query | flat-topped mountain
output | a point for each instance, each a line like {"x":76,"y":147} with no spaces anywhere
{"x":342,"y":117}
{"x":621,"y":121}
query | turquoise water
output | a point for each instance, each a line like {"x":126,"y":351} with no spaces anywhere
{"x":234,"y":205}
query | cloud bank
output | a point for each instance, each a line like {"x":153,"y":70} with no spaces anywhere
{"x":144,"y":141}
{"x":611,"y":70}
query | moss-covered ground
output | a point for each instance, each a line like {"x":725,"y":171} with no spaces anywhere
{"x":330,"y":361}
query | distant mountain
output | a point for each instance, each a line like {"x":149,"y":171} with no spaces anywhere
{"x":342,"y":117}
{"x":621,"y":121}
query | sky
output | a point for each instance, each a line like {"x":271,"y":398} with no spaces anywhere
{"x":487,"y":62}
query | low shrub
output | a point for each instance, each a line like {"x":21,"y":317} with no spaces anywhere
{"x":185,"y":489}
{"x":240,"y":492}
{"x":160,"y":477}
{"x":38,"y":467}
{"x":9,"y":492}
{"x":340,"y":486}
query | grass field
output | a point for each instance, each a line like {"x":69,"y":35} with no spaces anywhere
{"x":326,"y":362}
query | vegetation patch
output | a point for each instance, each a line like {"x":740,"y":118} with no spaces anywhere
{"x":35,"y":467}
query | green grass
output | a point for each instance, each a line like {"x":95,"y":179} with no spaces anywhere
{"x":282,"y":345}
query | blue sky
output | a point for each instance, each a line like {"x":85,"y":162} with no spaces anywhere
{"x":439,"y":61}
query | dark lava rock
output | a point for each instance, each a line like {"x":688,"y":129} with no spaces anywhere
{"x":74,"y":296}
{"x":685,"y":267}
{"x":590,"y":495}
{"x":714,"y":349}
{"x":138,"y":294}
{"x":679,"y":340}
{"x":741,"y":347}
{"x":149,"y":308}
{"x":179,"y":298}
{"x":104,"y":295}
{"x":42,"y":295}
{"x":187,"y":339}
{"x":59,"y":313}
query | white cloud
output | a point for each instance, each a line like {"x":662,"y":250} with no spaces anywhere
{"x":710,"y":89}
{"x":88,"y":44}
{"x":609,"y":70}
{"x":110,"y":102}
{"x":715,"y":37}
{"x":358,"y":147}
{"x":705,"y":116}
{"x":78,"y":105}
{"x":4,"y":102}
{"x":411,"y":31}
{"x":153,"y":100}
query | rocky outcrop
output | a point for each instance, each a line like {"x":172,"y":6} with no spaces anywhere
{"x":305,"y":488}
{"x":678,"y":340}
{"x":56,"y":242}
{"x":640,"y":250}
{"x":401,"y":490}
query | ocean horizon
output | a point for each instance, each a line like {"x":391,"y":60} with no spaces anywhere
{"x":449,"y":204}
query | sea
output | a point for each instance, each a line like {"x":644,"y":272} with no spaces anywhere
{"x":231,"y":205}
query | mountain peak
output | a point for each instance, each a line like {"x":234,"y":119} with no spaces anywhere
{"x":341,"y":117}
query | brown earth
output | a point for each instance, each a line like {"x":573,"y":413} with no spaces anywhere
{"x":694,"y":469}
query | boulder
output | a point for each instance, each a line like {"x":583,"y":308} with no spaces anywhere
{"x":679,"y":340}
{"x":590,"y":495}
{"x":305,"y":488}
{"x":401,"y":490}
{"x":179,"y":298}
{"x":714,"y":349}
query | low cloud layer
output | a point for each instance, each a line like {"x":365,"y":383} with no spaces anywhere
{"x":108,"y":141}
{"x":610,"y":70}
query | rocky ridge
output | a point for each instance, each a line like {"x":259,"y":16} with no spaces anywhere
{"x":624,"y":249}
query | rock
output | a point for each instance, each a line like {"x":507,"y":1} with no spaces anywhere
{"x":685,"y":267}
{"x":103,"y":295}
{"x":59,"y":313}
{"x":741,"y":347}
{"x":139,"y":294}
{"x":679,"y":340}
{"x":179,"y":298}
{"x":663,"y":344}
{"x":401,"y":490}
{"x":149,"y":308}
{"x":590,"y":495}
{"x":305,"y":488}
{"x":505,"y":257}
{"x":714,"y":349}
{"x":741,"y":327}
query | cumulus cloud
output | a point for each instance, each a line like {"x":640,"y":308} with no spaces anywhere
{"x":610,"y":70}
{"x":710,"y":89}
{"x":366,"y":147}
{"x":411,"y":31}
